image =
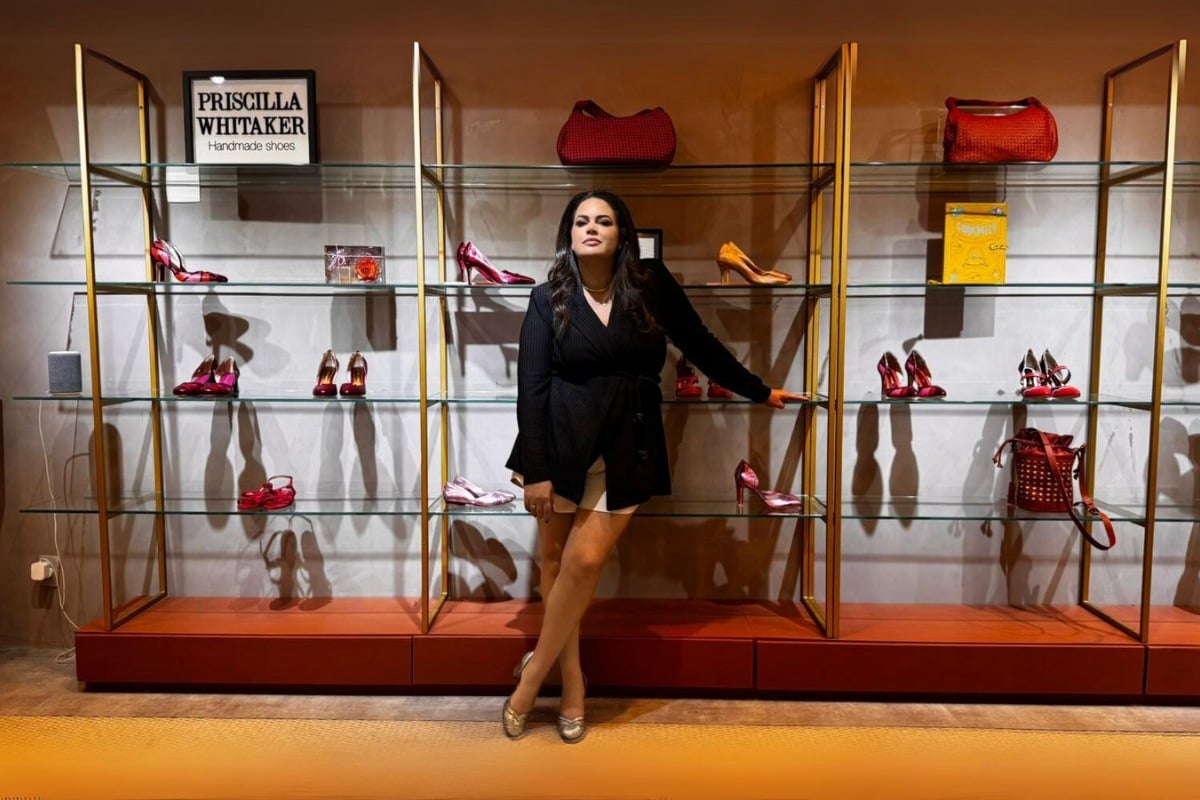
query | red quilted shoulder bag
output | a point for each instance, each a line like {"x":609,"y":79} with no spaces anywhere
{"x":1028,"y":134}
{"x":593,"y":137}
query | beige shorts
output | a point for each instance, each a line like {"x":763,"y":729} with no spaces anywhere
{"x":595,"y":494}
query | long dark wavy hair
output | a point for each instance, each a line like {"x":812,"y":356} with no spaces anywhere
{"x":630,"y":279}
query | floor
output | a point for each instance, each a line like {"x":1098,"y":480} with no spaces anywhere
{"x":411,"y":746}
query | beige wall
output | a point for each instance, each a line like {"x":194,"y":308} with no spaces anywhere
{"x":735,"y":77}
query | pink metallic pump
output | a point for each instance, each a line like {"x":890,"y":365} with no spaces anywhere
{"x":166,"y":257}
{"x":745,"y":478}
{"x":470,"y":258}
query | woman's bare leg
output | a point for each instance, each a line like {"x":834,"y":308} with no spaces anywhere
{"x":589,"y":543}
{"x":553,"y":539}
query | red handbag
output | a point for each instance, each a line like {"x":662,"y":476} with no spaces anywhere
{"x":1041,"y":479}
{"x":1025,"y":135}
{"x":593,"y":137}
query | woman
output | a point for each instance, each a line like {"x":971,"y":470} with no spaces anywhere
{"x":591,"y":446}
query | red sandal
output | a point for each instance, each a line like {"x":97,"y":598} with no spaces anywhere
{"x":1058,"y":377}
{"x":267,"y":497}
{"x":1034,"y":384}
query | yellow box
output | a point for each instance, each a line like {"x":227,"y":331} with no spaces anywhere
{"x":975,"y":243}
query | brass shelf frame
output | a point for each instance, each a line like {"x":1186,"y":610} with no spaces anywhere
{"x":115,"y":614}
{"x":423,"y":64}
{"x":1175,"y":53}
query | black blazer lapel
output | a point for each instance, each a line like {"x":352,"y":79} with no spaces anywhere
{"x":584,"y":320}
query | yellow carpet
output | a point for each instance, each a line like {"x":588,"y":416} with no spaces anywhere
{"x":61,"y":757}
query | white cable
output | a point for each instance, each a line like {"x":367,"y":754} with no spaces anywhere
{"x":61,"y":591}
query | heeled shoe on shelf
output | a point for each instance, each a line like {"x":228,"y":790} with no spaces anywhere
{"x":202,"y":376}
{"x":731,"y":258}
{"x":166,"y":257}
{"x":470,"y":258}
{"x":357,"y":385}
{"x":1034,"y":384}
{"x":919,"y":378}
{"x":460,"y":495}
{"x":326,"y":373}
{"x":891,"y":380}
{"x":744,"y":477}
{"x":687,"y":385}
{"x":1057,"y":377}
{"x":225,"y":380}
{"x":269,"y":497}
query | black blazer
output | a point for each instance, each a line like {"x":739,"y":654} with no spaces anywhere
{"x":594,"y":390}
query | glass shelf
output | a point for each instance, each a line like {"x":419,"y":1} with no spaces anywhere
{"x":302,"y":395}
{"x":216,"y":176}
{"x":892,"y":289}
{"x":933,"y":176}
{"x":672,"y":507}
{"x":281,"y":288}
{"x":979,"y":396}
{"x":678,"y":178}
{"x":739,"y":289}
{"x":491,"y":398}
{"x":981,"y":510}
{"x":205,"y":506}
{"x":675,"y":179}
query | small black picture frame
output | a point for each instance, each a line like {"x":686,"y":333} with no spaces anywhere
{"x":650,"y":242}
{"x":250,"y":117}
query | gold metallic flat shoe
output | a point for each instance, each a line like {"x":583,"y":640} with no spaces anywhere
{"x":572,"y":730}
{"x":519,"y":668}
{"x":512,"y":721}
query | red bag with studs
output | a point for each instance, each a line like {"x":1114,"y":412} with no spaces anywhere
{"x":1041,"y":480}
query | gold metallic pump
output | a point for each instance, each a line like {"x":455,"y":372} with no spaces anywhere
{"x":730,"y":257}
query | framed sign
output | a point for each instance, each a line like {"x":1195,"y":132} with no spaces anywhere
{"x":650,"y":242}
{"x":250,"y":116}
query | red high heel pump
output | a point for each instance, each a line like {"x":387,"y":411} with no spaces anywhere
{"x":919,"y":377}
{"x":745,"y":478}
{"x":225,"y":380}
{"x":1053,"y":371}
{"x":326,"y":372}
{"x":203,"y":375}
{"x":268,"y":497}
{"x":357,"y":385}
{"x":687,"y":385}
{"x":1034,"y":384}
{"x":891,"y":379}
{"x":166,"y":257}
{"x":469,"y":258}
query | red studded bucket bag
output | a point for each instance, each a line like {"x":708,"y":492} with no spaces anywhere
{"x":984,"y":131}
{"x":593,"y":137}
{"x":1041,"y":479}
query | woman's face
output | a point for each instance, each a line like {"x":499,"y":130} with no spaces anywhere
{"x":595,"y":232}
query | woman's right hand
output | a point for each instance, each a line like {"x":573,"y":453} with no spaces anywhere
{"x":539,"y":499}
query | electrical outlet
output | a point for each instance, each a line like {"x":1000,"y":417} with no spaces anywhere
{"x":56,"y":565}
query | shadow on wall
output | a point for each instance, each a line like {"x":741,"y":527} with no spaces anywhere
{"x":295,"y":566}
{"x":496,"y":568}
{"x":1180,"y":487}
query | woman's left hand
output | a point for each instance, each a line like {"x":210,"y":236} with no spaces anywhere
{"x":779,"y":398}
